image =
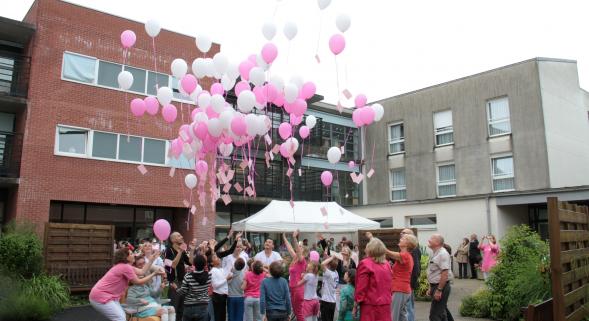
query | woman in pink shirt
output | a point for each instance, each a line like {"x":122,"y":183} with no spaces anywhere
{"x":490,"y":251}
{"x":251,"y":291}
{"x":105,"y":294}
{"x":373,"y":284}
{"x":296,"y":269}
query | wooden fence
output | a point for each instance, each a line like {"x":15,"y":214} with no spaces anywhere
{"x":569,"y":259}
{"x":81,"y":253}
{"x":389,"y":236}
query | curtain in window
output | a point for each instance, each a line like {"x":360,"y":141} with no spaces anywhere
{"x":399,"y":195}
{"x":78,"y":68}
{"x":443,"y":119}
{"x":503,"y":166}
{"x":446,"y":173}
{"x":503,"y":184}
{"x":442,"y":139}
{"x":397,"y":132}
{"x":498,"y":109}
{"x":398,"y":178}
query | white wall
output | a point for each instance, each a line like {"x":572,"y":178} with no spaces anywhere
{"x":566,"y":124}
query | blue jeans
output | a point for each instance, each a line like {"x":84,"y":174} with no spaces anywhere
{"x":411,"y":308}
{"x":235,"y":308}
{"x":276,"y":315}
{"x":195,"y":313}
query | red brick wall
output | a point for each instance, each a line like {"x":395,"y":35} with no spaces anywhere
{"x":44,"y":176}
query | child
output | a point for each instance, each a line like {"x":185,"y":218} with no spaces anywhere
{"x":251,"y":286}
{"x":219,"y":278}
{"x":195,"y":289}
{"x":235,"y":297}
{"x":143,"y":298}
{"x":347,"y":297}
{"x":311,"y":302}
{"x":274,"y":295}
{"x":330,"y":281}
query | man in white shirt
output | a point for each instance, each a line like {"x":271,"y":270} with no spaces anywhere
{"x":268,"y":255}
{"x":438,"y":276}
{"x":229,"y":260}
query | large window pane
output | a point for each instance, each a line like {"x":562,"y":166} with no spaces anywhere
{"x":155,"y":81}
{"x":423,"y":220}
{"x":498,"y":116}
{"x":108,"y":74}
{"x":73,"y":213}
{"x":154,"y":151}
{"x":176,"y":89}
{"x":138,"y":79}
{"x":503,"y":166}
{"x":130,"y":148}
{"x":72,"y":140}
{"x":446,"y":173}
{"x":104,"y":145}
{"x":78,"y":68}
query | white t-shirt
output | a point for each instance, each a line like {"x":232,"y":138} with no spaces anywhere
{"x":229,"y":261}
{"x":310,"y":286}
{"x":275,"y":256}
{"x":219,"y":281}
{"x":157,"y":280}
{"x":330,"y":281}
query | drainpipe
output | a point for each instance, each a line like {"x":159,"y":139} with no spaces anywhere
{"x":488,"y":203}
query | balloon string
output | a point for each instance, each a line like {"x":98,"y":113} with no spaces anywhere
{"x":337,"y":81}
{"x":157,"y":85}
{"x":372,"y":158}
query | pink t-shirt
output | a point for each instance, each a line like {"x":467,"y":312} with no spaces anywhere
{"x":253,"y":282}
{"x":295,"y":272}
{"x":113,"y":283}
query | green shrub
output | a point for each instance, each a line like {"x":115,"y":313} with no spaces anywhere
{"x":476,"y":305}
{"x":423,"y":284}
{"x":21,"y":251}
{"x":51,"y":289}
{"x":522,"y":276}
{"x":22,"y":307}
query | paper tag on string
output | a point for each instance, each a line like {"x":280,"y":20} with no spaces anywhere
{"x":250,"y":180}
{"x":324,"y":211}
{"x":326,"y":226}
{"x":172,"y":171}
{"x":292,"y":160}
{"x":226,"y":199}
{"x":186,"y":203}
{"x":353,"y":176}
{"x":243,"y":165}
{"x":193,"y":210}
{"x":347,"y":94}
{"x":300,"y":172}
{"x":342,"y":149}
{"x":317,"y":58}
{"x":204,"y":221}
{"x":360,"y":178}
{"x":238,"y":187}
{"x":249,"y":191}
{"x":339,"y":107}
{"x":267,"y":163}
{"x":226,"y":188}
{"x":271,"y":156}
{"x":370,"y":173}
{"x":230,"y":174}
{"x":142,"y":169}
{"x":268,"y":139}
{"x":289,"y":172}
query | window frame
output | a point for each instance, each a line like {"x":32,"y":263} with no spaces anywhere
{"x":445,"y":183}
{"x":502,"y":120}
{"x":493,"y":177}
{"x":422,"y":226}
{"x":398,"y":141}
{"x":56,"y":150}
{"x":392,"y":188}
{"x":438,"y":132}
{"x":94,"y":80}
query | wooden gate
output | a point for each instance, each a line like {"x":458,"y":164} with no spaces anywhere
{"x":569,"y":259}
{"x":81,"y":253}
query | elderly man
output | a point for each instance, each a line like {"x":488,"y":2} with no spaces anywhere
{"x":438,"y":278}
{"x":268,"y":255}
{"x":415,"y":272}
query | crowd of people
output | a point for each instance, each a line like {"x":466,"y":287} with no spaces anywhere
{"x":219,"y":280}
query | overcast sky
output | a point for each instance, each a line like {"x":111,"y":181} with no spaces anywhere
{"x":392,"y":46}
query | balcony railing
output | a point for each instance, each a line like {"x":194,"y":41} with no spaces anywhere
{"x":10,"y":153}
{"x":14,"y":74}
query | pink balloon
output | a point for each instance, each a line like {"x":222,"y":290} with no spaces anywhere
{"x":337,"y":43}
{"x":201,"y":130}
{"x":188,"y":83}
{"x":244,"y":69}
{"x":217,"y":88}
{"x":326,"y":178}
{"x":308,"y":90}
{"x":367,"y":115}
{"x":128,"y":39}
{"x":271,"y":92}
{"x":295,"y":120}
{"x":241,"y":86}
{"x":284,"y":151}
{"x":356,"y":118}
{"x":279,"y":100}
{"x":176,"y":147}
{"x":269,"y":52}
{"x":201,"y":168}
{"x":299,"y":107}
{"x":238,"y":125}
{"x":314,"y":256}
{"x":186,"y":130}
{"x":360,"y":100}
{"x":152,"y":105}
{"x":194,"y":112}
{"x":211,"y":113}
{"x":304,"y":132}
{"x":285,"y":130}
{"x":137,"y":107}
{"x":169,"y":112}
{"x":288,"y":107}
{"x":260,"y":95}
{"x":161,"y":229}
{"x":352,"y":164}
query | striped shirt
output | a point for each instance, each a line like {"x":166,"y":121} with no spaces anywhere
{"x":195,"y":288}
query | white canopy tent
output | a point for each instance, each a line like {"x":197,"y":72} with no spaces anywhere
{"x":279,"y":216}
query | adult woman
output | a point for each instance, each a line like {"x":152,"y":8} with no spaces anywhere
{"x":106,"y":293}
{"x":296,"y":269}
{"x":401,"y":285}
{"x":461,"y":256}
{"x":144,"y":298}
{"x":490,"y":250}
{"x":373,"y":284}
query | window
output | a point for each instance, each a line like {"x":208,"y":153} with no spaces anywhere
{"x":443,"y":128}
{"x":104,"y":145}
{"x":138,"y":79}
{"x":72,"y":140}
{"x":108,"y":74}
{"x":384,"y":222}
{"x":130,"y":148}
{"x":398,"y":188}
{"x":396,"y":138}
{"x":498,"y":116}
{"x":154,"y":151}
{"x":78,"y":68}
{"x":176,"y":88}
{"x":502,"y":168}
{"x":156,"y":80}
{"x":446,"y":181}
{"x":423,"y":221}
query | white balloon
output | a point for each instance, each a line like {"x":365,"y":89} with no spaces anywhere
{"x":218,"y":103}
{"x":164,"y":95}
{"x":203,"y":43}
{"x":257,"y":76}
{"x":195,"y":93}
{"x":261,"y":63}
{"x":269,"y":30}
{"x":292,"y":145}
{"x":226,"y":149}
{"x":232,"y":71}
{"x":204,"y":100}
{"x":201,"y":117}
{"x":251,"y":121}
{"x":343,"y":22}
{"x":152,"y":27}
{"x":190,"y":181}
{"x":187,"y":151}
{"x":199,"y":68}
{"x":221,"y":62}
{"x":311,"y":121}
{"x":378,"y":111}
{"x":297,"y":81}
{"x":215,"y":127}
{"x":246,"y":101}
{"x":196,"y":144}
{"x":209,"y":67}
{"x":227,"y":82}
{"x":125,"y":80}
{"x":277,"y":82}
{"x":323,"y":4}
{"x":291,"y":92}
{"x":290,"y":30}
{"x":225,"y":117}
{"x":262,"y":129}
{"x":179,"y":68}
{"x":334,"y":154}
